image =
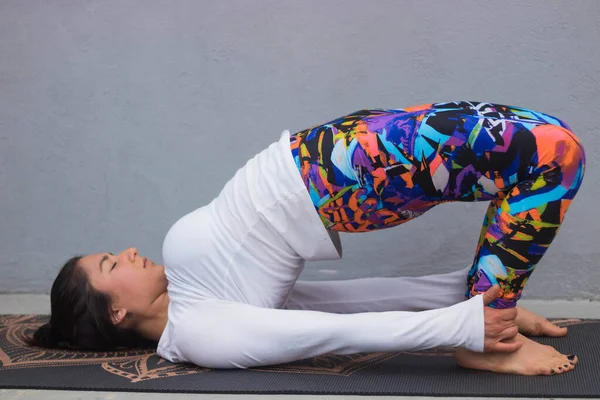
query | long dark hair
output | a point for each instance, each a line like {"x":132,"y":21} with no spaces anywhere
{"x":80,"y":316}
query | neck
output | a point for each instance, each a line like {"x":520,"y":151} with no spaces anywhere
{"x":153,"y":326}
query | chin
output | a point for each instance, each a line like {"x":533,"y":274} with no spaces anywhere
{"x":164,"y":284}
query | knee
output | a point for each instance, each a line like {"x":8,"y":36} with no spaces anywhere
{"x":557,"y":146}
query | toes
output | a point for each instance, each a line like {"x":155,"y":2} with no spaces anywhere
{"x":565,"y":368}
{"x":562,"y":368}
{"x":549,"y":329}
{"x":557,"y":370}
{"x":573,"y":359}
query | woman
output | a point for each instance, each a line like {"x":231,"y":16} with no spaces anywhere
{"x":228,"y":296}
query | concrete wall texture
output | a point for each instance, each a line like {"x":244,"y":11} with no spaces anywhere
{"x":118,"y":117}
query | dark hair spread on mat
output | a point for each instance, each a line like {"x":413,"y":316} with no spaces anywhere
{"x":80,"y":317}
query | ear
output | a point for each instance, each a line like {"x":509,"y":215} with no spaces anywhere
{"x":118,"y":315}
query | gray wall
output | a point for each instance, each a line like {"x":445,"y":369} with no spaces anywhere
{"x":118,"y":117}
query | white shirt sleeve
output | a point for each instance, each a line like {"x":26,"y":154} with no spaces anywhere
{"x":221,"y":334}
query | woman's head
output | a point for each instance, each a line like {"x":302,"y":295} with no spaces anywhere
{"x":98,"y":300}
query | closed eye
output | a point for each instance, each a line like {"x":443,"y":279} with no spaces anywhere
{"x":115,"y":264}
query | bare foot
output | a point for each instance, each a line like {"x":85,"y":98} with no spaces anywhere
{"x":531,"y":359}
{"x":531,"y":324}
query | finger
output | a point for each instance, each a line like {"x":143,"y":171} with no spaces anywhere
{"x":491,"y":294}
{"x":509,"y":332}
{"x":500,"y":330}
{"x":509,"y":314}
{"x":510,"y":347}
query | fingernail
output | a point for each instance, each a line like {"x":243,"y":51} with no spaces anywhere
{"x":552,"y":372}
{"x":572,"y":364}
{"x":571,"y":357}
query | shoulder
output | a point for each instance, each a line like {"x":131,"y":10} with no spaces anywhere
{"x":209,"y":333}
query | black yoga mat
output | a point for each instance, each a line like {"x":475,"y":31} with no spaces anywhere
{"x":426,"y":373}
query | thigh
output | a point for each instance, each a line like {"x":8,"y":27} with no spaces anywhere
{"x":489,"y":149}
{"x":359,"y":177}
{"x":375,"y":169}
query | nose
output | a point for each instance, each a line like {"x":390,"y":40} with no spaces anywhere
{"x":130,"y":254}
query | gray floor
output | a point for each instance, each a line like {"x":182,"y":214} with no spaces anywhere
{"x":38,"y":304}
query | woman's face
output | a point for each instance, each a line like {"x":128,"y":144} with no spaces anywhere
{"x":133,"y":282}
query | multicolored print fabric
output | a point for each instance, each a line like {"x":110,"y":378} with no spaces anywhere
{"x":378,"y":168}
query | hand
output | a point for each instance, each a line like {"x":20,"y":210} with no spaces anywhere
{"x":500,"y":325}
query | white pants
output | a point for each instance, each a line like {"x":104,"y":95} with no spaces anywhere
{"x":380,"y":294}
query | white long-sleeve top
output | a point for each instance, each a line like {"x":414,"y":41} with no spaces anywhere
{"x":235,"y":302}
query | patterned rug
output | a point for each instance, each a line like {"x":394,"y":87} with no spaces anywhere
{"x":425,"y":373}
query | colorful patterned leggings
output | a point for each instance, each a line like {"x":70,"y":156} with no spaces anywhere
{"x":375,"y":169}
